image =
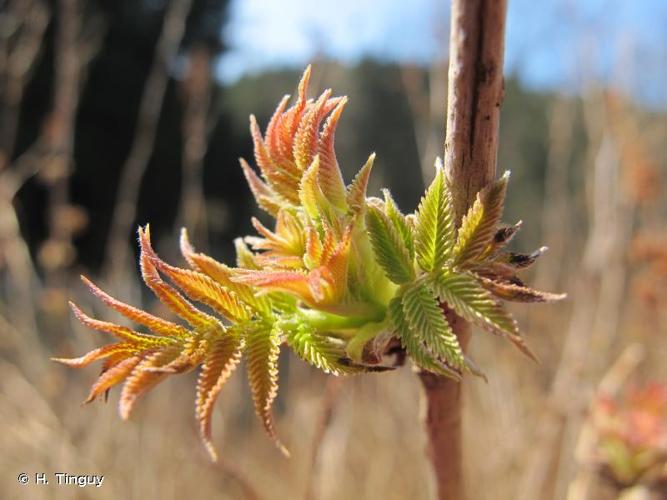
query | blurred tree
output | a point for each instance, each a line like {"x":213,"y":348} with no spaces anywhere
{"x":106,"y":119}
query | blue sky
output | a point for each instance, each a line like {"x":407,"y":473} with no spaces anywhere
{"x":551,"y":44}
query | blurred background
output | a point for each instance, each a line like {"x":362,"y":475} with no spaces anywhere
{"x":119,"y":113}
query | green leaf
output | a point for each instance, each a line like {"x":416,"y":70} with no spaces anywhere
{"x":319,"y":350}
{"x":435,"y":225}
{"x":388,"y":246}
{"x":313,"y":200}
{"x":478,"y":226}
{"x":427,"y":319}
{"x":356,"y":191}
{"x":262,"y":350}
{"x":463,"y":293}
{"x":395,"y":215}
{"x":244,"y":257}
{"x":414,"y":345}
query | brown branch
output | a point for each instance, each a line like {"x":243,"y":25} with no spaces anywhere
{"x":471,"y":144}
{"x":17,"y":60}
{"x":196,"y":88}
{"x":57,"y":141}
{"x":135,"y":166}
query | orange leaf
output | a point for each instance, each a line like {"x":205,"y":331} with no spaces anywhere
{"x":167,"y":295}
{"x":155,"y":324}
{"x":221,"y":361}
{"x":112,"y":376}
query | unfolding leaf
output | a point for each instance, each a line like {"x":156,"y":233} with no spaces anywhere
{"x":318,"y":350}
{"x":112,"y":376}
{"x":400,"y":222}
{"x":331,"y":179}
{"x":262,"y":350}
{"x":223,"y":275}
{"x":313,"y":201}
{"x":463,"y":293}
{"x":157,"y":325}
{"x":264,"y":196}
{"x":479,"y":225}
{"x":120,"y":332}
{"x":141,"y":380}
{"x":414,"y":344}
{"x":434,"y":232}
{"x":203,"y":289}
{"x":165,"y":293}
{"x":427,"y":320}
{"x":224,"y":356}
{"x":389,"y":247}
{"x":356,"y":191}
{"x":244,"y":257}
{"x":97,"y":354}
{"x":306,"y":138}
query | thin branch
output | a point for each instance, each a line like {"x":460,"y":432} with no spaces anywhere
{"x":196,"y":88}
{"x":133,"y":171}
{"x":58,"y":141}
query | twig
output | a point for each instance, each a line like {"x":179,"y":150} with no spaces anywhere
{"x":173,"y":29}
{"x":471,"y":147}
{"x":17,"y":59}
{"x":197,"y":95}
{"x":58,"y":140}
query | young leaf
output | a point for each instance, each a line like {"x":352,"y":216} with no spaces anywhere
{"x":330,"y":175}
{"x":399,"y":220}
{"x":463,"y":293}
{"x":262,"y":350}
{"x":478,"y":226}
{"x":435,"y":225}
{"x":313,"y":201}
{"x":203,"y":289}
{"x":222,"y":274}
{"x":224,"y":356}
{"x":141,"y":379}
{"x":427,"y":320}
{"x":266,"y":199}
{"x":113,"y":375}
{"x":319,"y":351}
{"x":306,"y":137}
{"x":153,"y":323}
{"x":388,"y":246}
{"x":414,"y":344}
{"x":356,"y":192}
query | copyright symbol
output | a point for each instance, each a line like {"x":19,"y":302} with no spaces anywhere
{"x":23,"y":478}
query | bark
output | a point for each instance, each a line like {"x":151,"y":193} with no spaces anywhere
{"x":473,"y":112}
